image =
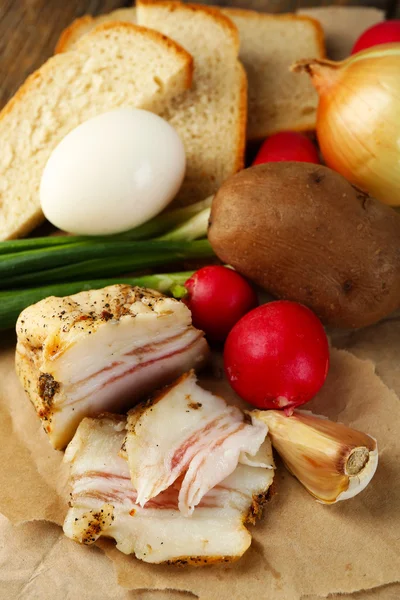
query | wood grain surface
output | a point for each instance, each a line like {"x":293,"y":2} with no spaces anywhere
{"x":29,"y":29}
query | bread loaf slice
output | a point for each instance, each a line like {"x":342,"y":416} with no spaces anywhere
{"x":278,"y":99}
{"x":211,"y":116}
{"x":116,"y":65}
{"x":269,"y":44}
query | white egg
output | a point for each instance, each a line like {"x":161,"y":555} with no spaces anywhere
{"x":112,"y":173}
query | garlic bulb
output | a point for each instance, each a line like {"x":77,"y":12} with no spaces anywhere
{"x":332,"y":461}
{"x":358,"y":119}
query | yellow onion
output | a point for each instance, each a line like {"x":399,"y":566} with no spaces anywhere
{"x":358,"y":119}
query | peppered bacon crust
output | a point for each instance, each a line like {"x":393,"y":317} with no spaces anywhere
{"x":104,"y":503}
{"x":101,"y":350}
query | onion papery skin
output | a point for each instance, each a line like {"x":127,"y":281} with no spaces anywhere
{"x":358,"y":118}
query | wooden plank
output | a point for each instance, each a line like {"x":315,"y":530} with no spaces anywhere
{"x":394,"y":9}
{"x":29,"y":30}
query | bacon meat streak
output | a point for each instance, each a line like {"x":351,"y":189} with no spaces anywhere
{"x":188,"y":431}
{"x":104,"y":503}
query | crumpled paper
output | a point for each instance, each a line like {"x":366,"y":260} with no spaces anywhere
{"x":38,"y":563}
{"x":301,"y":550}
{"x":379,"y":343}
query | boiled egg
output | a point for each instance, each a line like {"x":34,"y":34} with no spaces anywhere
{"x":112,"y":173}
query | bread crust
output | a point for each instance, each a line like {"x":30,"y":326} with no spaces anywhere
{"x":242,"y":124}
{"x":69,"y":32}
{"x":212,"y":11}
{"x":319,"y":31}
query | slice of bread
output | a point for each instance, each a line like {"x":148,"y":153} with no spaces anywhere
{"x":211,"y":116}
{"x":278,"y":99}
{"x":269,"y":44}
{"x":116,"y":65}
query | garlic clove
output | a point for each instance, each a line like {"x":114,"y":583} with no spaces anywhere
{"x":333,"y":462}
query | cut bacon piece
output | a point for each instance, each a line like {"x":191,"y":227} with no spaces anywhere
{"x":103,"y":503}
{"x":102,"y":350}
{"x":198,"y":437}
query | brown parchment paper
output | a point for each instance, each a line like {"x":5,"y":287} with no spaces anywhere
{"x":301,"y":550}
{"x":379,"y":343}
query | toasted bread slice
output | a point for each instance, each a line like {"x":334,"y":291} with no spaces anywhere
{"x":269,"y":44}
{"x":116,"y":65}
{"x":278,"y":99}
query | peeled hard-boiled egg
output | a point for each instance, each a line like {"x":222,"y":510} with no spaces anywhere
{"x":112,"y":173}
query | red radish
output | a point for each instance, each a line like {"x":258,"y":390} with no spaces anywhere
{"x":285,"y":146}
{"x":277,"y":356}
{"x":218,"y":297}
{"x":381,"y":33}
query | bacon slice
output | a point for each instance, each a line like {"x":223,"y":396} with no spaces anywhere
{"x":198,"y":437}
{"x":103,"y":503}
{"x":101,"y":350}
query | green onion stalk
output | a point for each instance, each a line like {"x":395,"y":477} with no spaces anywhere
{"x":35,"y":268}
{"x":133,"y":256}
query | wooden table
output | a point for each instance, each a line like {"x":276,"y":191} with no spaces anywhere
{"x":29,"y":29}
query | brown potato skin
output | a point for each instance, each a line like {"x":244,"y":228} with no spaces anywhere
{"x":303,"y":232}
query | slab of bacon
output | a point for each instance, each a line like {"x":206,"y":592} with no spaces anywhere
{"x":189,"y":432}
{"x":100,"y":351}
{"x":104,"y":503}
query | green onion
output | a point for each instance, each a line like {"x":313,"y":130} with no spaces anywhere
{"x":153,"y":228}
{"x":65,"y":265}
{"x":13,"y":246}
{"x":44,"y":258}
{"x":12,"y":303}
{"x":193,"y":229}
{"x":169,"y":220}
{"x":132,"y":256}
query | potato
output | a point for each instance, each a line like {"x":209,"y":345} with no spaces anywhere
{"x":303,"y":233}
